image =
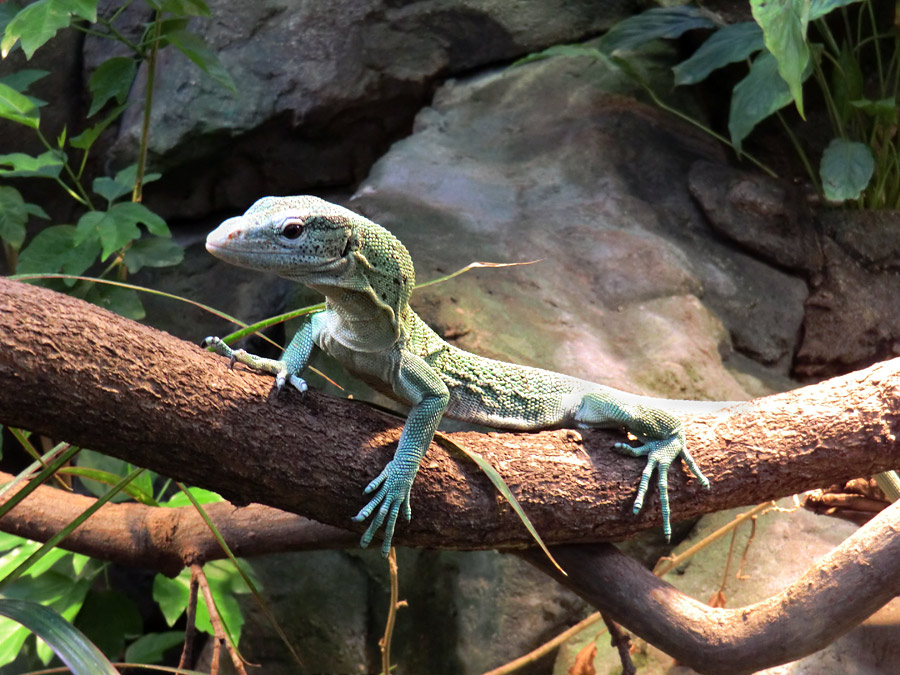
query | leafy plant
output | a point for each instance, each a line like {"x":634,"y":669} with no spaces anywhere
{"x":114,"y":228}
{"x":862,"y":161}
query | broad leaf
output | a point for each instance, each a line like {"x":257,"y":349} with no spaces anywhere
{"x":118,"y":226}
{"x":756,"y":97}
{"x":14,"y":213}
{"x":729,"y":44}
{"x":151,"y":648}
{"x":112,"y":79}
{"x":123,"y":301}
{"x":784,"y":23}
{"x":153,"y":252}
{"x":22,"y":79}
{"x":20,"y":165}
{"x":846,"y":169}
{"x":819,"y":8}
{"x":659,"y":22}
{"x":112,"y":232}
{"x":72,"y":647}
{"x":193,"y":46}
{"x":86,"y":138}
{"x":138,"y":213}
{"x":37,"y":23}
{"x":18,"y":107}
{"x":53,"y":250}
{"x":884,"y":109}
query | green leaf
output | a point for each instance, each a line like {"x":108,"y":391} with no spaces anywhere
{"x":884,"y":109}
{"x":202,"y":496}
{"x":756,"y":97}
{"x":20,"y":165}
{"x":112,"y":79}
{"x":128,"y":176}
{"x":53,"y":250}
{"x":729,"y":44}
{"x":17,"y":107}
{"x":22,"y":79}
{"x":659,"y":22}
{"x":846,"y":169}
{"x":112,"y":232}
{"x":172,"y":595}
{"x":784,"y":23}
{"x":109,"y":188}
{"x":819,"y":8}
{"x":86,"y":138}
{"x":151,"y":648}
{"x":153,"y":252}
{"x":224,"y":582}
{"x":138,"y":213}
{"x":118,"y":226}
{"x":123,"y":301}
{"x":14,"y":213}
{"x":37,"y":23}
{"x":136,"y":492}
{"x":107,"y":618}
{"x":182,"y":7}
{"x":193,"y":46}
{"x":72,"y":647}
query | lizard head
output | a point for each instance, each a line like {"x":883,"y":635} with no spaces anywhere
{"x":322,"y":245}
{"x":294,"y":237}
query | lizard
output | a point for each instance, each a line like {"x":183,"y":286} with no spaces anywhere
{"x":367,"y":276}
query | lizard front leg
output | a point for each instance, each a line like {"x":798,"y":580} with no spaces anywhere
{"x":417,"y":383}
{"x":662,"y":436}
{"x":292,"y":362}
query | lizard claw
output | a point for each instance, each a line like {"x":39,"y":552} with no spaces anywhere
{"x":660,"y":455}
{"x":392,"y":495}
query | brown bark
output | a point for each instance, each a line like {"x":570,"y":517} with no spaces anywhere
{"x":75,"y":372}
{"x":845,"y":587}
{"x":165,"y":539}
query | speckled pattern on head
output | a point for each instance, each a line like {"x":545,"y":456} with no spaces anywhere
{"x":367,"y":277}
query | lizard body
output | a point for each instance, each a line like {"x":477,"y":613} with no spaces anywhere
{"x":367,"y":276}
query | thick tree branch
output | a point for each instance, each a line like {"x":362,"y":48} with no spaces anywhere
{"x":165,"y":539}
{"x":75,"y":372}
{"x":845,"y":587}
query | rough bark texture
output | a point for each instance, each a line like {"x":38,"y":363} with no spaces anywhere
{"x":847,"y":585}
{"x":78,"y":373}
{"x":165,"y":539}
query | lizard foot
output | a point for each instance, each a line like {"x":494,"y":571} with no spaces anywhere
{"x":393,"y":485}
{"x":660,"y":454}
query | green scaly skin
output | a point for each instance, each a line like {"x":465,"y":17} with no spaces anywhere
{"x":367,"y":276}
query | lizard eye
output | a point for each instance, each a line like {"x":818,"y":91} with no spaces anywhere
{"x":291,"y":229}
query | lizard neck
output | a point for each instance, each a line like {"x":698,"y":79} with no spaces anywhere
{"x":368,"y":297}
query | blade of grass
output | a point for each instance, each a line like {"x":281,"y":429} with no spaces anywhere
{"x":51,"y":543}
{"x":78,"y":653}
{"x":39,"y":479}
{"x":503,"y":489}
{"x":256,"y":594}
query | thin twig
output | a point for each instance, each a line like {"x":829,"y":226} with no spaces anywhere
{"x":219,"y":633}
{"x":385,"y":642}
{"x":190,"y":631}
{"x":622,"y":642}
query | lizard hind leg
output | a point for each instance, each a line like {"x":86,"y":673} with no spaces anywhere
{"x":662,"y":440}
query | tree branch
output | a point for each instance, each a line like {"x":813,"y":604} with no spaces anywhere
{"x":846,"y":586}
{"x":73,"y":371}
{"x":165,"y":539}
